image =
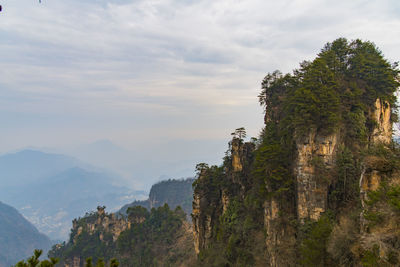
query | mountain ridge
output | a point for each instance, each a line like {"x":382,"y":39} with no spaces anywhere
{"x":18,"y":237}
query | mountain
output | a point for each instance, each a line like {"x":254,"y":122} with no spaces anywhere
{"x":320,"y":187}
{"x":18,"y":237}
{"x":29,"y":166}
{"x":172,"y":192}
{"x":50,"y":189}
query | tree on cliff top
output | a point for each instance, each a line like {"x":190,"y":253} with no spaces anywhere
{"x":239,"y":133}
{"x":345,"y":78}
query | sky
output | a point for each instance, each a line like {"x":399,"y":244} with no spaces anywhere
{"x":161,"y":78}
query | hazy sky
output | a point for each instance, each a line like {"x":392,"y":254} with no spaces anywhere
{"x":150,"y":71}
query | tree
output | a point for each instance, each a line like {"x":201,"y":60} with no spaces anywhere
{"x":201,"y":167}
{"x":137,"y":214}
{"x":114,"y":263}
{"x":100,"y":263}
{"x":239,"y":133}
{"x":34,"y":261}
{"x":89,"y":262}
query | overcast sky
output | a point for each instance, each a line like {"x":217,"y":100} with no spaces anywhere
{"x":150,"y":71}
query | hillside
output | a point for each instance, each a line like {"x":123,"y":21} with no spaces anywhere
{"x":172,"y":192}
{"x":18,"y":237}
{"x":148,"y":231}
{"x":160,"y":237}
{"x":320,"y":186}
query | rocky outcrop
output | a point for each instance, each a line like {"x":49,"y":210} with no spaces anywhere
{"x":326,"y":148}
{"x":371,"y":176}
{"x":315,"y":156}
{"x":241,"y":156}
{"x":106,"y":226}
{"x":206,"y":208}
{"x":237,"y":152}
{"x":202,"y":221}
{"x":103,"y":222}
{"x":280,"y":234}
{"x":381,"y":115}
{"x":314,"y":160}
{"x":383,"y":238}
{"x":314,"y":151}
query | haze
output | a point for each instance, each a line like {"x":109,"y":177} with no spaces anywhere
{"x":148,"y":88}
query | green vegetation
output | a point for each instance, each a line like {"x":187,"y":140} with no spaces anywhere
{"x":335,"y":90}
{"x":333,"y":94}
{"x":172,"y":192}
{"x":149,"y":241}
{"x":34,"y":261}
{"x":345,"y":179}
{"x":144,"y":242}
{"x":256,"y":189}
{"x":237,"y":237}
{"x":371,"y":257}
{"x":239,"y":133}
{"x":313,"y":248}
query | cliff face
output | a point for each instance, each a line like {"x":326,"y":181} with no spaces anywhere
{"x":172,"y":192}
{"x":314,"y":173}
{"x":313,"y":154}
{"x":103,"y":227}
{"x":383,"y":129}
{"x":379,"y":187}
{"x":370,"y":179}
{"x":103,"y":222}
{"x":202,"y":219}
{"x":324,"y":175}
{"x":312,"y":190}
{"x":210,"y":205}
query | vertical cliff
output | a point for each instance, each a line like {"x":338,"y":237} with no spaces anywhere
{"x":216,"y":188}
{"x":320,"y":175}
{"x":100,"y":223}
{"x":380,"y":192}
{"x":382,"y":132}
{"x":314,"y":151}
{"x":371,"y":179}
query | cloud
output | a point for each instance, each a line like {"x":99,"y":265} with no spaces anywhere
{"x":85,"y":69}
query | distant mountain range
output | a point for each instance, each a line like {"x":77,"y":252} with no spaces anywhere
{"x":18,"y":237}
{"x":29,"y":166}
{"x":51,"y":189}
